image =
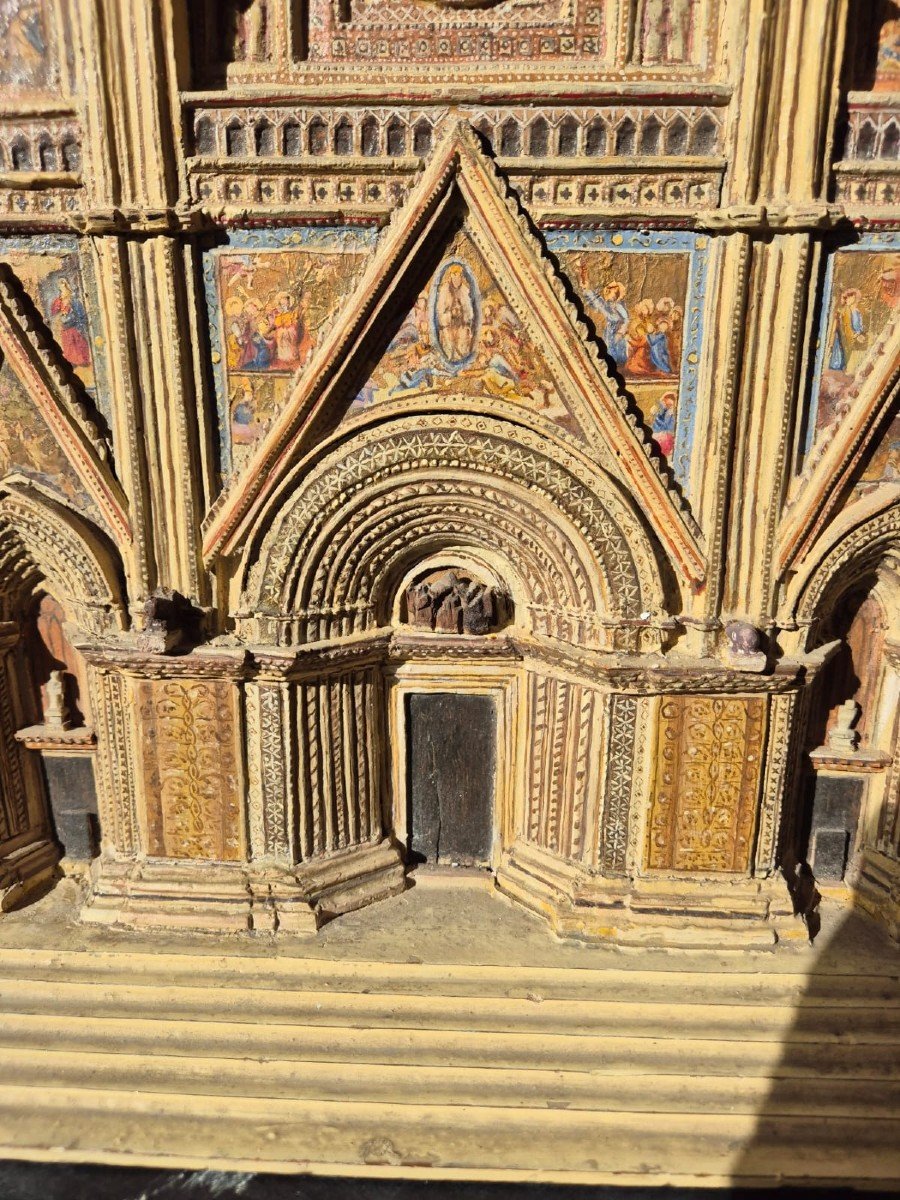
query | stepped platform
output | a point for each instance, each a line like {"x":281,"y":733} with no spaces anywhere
{"x":446,"y":1034}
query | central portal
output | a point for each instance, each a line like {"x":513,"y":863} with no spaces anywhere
{"x":452,"y":764}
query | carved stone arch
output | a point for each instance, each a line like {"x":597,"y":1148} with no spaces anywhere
{"x":337,"y":535}
{"x":870,"y":544}
{"x":76,"y":560}
{"x":847,"y":603}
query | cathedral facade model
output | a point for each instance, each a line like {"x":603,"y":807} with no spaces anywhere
{"x":450,"y":432}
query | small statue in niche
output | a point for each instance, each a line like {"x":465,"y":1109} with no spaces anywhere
{"x":842,"y":737}
{"x":454,"y":603}
{"x":55,"y":713}
{"x":248,"y":31}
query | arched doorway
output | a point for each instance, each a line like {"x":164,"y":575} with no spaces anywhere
{"x":852,"y":606}
{"x":57,"y":578}
{"x":438,"y":597}
{"x":450,"y":710}
{"x":58,"y":731}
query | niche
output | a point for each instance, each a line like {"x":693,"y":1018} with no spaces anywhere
{"x":56,"y":703}
{"x":456,"y":601}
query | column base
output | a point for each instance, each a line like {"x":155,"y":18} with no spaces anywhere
{"x":27,"y":872}
{"x":703,"y":913}
{"x":241,"y":897}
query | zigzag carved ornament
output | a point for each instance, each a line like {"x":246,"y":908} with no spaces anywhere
{"x":833,"y":463}
{"x":461,"y":181}
{"x":49,"y":382}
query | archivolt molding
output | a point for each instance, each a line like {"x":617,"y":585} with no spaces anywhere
{"x":49,"y":382}
{"x":833,"y":462}
{"x":868,"y":545}
{"x":461,"y":180}
{"x":39,"y":542}
{"x":344,"y":532}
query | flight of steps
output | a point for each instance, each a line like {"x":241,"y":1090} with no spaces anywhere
{"x":621,"y":1075}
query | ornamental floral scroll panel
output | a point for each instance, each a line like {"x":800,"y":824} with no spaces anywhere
{"x":190,"y":768}
{"x":708,"y":766}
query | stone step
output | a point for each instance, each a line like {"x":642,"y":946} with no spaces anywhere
{"x":700,"y":1054}
{"x":621,"y":1091}
{"x":723,"y":1021}
{"x":712,"y":983}
{"x":252,"y":1133}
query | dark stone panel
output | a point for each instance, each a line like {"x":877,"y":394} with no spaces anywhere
{"x":835,"y":811}
{"x":73,"y":801}
{"x":836,"y":801}
{"x":829,"y":851}
{"x":451,"y":743}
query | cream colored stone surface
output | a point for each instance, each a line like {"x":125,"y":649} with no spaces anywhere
{"x":456,"y":1040}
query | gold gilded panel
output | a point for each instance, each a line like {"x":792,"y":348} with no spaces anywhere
{"x":708,"y":762}
{"x":191,"y":773}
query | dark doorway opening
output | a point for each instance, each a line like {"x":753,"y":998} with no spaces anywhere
{"x":452,"y":764}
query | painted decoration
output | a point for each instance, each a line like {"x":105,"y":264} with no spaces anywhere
{"x":29,"y":449}
{"x":60,"y":284}
{"x":862,"y":295}
{"x":28,"y":54}
{"x":411,"y":31}
{"x":644,"y":294}
{"x":271,"y":295}
{"x":462,"y":338}
{"x":666,"y":31}
{"x":884,"y":463}
{"x":887,"y":68}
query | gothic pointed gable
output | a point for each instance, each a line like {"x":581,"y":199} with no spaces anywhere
{"x":49,"y":441}
{"x":841,"y":460}
{"x":461,"y":298}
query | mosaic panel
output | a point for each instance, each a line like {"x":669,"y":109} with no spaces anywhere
{"x":271,"y":295}
{"x":462,"y":337}
{"x":29,"y":55}
{"x":645,"y":293}
{"x":29,"y":449}
{"x":861,"y":297}
{"x":59,"y":280}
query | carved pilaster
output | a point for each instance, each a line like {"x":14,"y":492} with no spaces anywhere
{"x":620,"y":750}
{"x":563,"y":766}
{"x":115,"y":764}
{"x":779,"y":780}
{"x":270,"y":796}
{"x":340,"y":733}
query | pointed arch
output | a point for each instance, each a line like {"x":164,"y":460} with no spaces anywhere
{"x":53,"y":389}
{"x":461,"y":181}
{"x":41,"y":541}
{"x":853,"y":549}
